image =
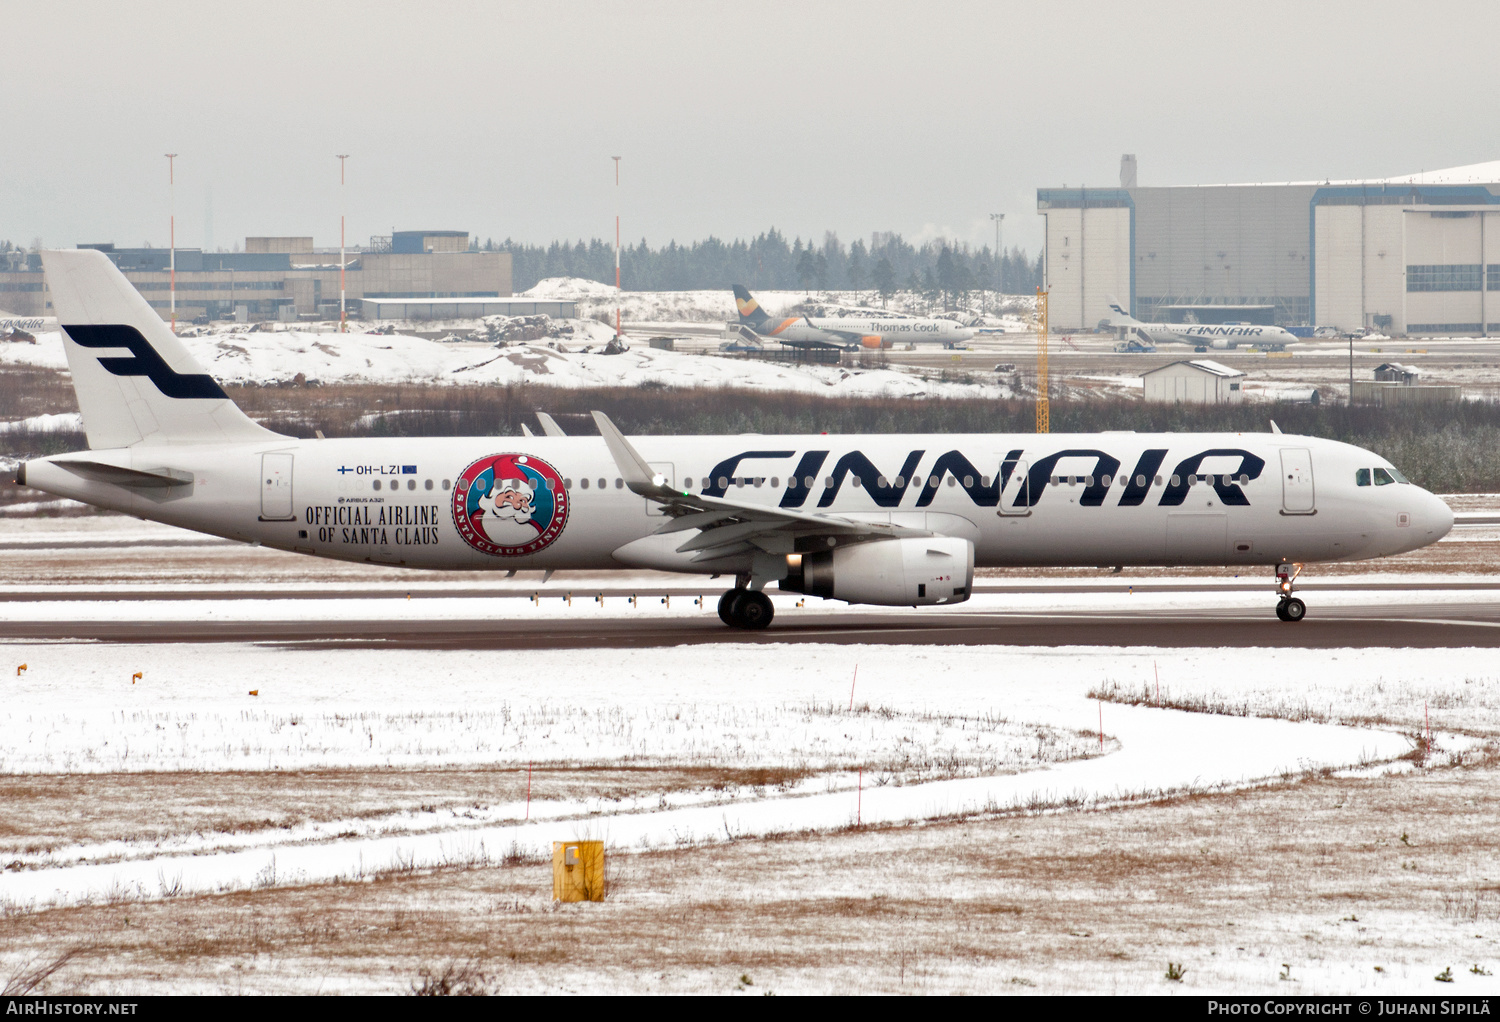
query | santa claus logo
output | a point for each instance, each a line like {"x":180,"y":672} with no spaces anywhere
{"x":510,"y":505}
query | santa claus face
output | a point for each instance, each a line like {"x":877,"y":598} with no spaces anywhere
{"x":509,"y":504}
{"x":507,"y":512}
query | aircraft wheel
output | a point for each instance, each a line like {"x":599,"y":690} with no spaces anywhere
{"x":753,"y":610}
{"x":726,"y":606}
{"x":1292,"y":610}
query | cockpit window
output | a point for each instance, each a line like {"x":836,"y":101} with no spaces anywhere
{"x":1362,"y":477}
{"x":1383,"y":478}
{"x":1398,"y":476}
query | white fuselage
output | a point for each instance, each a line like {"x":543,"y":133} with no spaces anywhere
{"x":868,"y":332}
{"x":1217,"y":335}
{"x":1021,"y":499}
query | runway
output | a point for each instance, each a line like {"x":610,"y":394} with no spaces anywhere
{"x":1413,"y":625}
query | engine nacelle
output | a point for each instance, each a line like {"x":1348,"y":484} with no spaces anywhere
{"x":1220,"y":343}
{"x":889,"y":572}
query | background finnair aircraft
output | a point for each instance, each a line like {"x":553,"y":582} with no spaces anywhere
{"x":1201,"y":335}
{"x":12,"y":327}
{"x":894,"y":520}
{"x":846,"y":331}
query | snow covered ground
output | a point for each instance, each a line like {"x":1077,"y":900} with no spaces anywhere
{"x":1006,"y":314}
{"x":76,"y":708}
{"x":272,"y":357}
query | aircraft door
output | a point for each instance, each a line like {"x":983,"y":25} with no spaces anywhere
{"x":665,"y":469}
{"x":1297,"y":496}
{"x":276,"y":488}
{"x":1015,"y":496}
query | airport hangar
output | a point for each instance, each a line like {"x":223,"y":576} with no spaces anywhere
{"x":404,"y":275}
{"x":1409,"y":255}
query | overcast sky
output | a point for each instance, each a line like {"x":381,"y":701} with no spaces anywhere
{"x":501,"y":119}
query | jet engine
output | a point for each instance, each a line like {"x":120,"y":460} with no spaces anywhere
{"x":889,"y":572}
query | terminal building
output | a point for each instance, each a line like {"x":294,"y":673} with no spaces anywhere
{"x":286,"y":278}
{"x":1404,"y":255}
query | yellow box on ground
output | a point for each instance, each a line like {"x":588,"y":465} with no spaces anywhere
{"x":578,"y":871}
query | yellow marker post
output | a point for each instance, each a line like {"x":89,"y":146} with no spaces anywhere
{"x":578,"y":871}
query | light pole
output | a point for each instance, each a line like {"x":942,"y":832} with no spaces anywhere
{"x":343,"y":205}
{"x":172,"y":237}
{"x":999,"y":218}
{"x":617,"y":247}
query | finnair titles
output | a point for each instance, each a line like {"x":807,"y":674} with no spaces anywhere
{"x":892,"y":520}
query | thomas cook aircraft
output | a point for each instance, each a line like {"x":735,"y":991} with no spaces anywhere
{"x":1201,"y":335}
{"x":893,"y":520}
{"x":846,"y":331}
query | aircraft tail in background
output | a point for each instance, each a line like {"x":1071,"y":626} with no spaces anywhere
{"x":751,"y":314}
{"x":1119,"y":315}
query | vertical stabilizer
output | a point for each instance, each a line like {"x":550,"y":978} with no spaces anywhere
{"x":136,"y":383}
{"x":751,"y":314}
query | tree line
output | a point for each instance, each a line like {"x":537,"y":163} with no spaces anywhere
{"x":768,"y":261}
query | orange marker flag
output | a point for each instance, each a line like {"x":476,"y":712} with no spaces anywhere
{"x":20,"y":670}
{"x":135,"y":677}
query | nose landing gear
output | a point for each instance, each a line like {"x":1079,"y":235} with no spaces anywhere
{"x":1289,"y":608}
{"x":749,"y":609}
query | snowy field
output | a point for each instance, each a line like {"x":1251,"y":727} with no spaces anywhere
{"x":266,"y":358}
{"x":936,"y":732}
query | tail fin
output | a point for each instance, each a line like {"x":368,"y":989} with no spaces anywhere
{"x":135,"y":381}
{"x":1119,"y":315}
{"x":751,"y":314}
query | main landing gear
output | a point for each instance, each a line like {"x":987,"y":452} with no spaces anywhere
{"x":1289,"y":608}
{"x":746,"y":608}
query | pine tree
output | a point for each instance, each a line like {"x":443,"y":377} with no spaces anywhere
{"x":884,"y":277}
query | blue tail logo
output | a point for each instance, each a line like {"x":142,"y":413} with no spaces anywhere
{"x":143,"y":361}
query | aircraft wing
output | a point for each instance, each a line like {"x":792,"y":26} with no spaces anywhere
{"x":728,"y":527}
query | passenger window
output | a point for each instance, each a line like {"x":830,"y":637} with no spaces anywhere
{"x":687,"y":484}
{"x":1158,"y":480}
{"x":1107,"y":481}
{"x":857,"y":481}
{"x":984,"y":481}
{"x":880,"y":482}
{"x":619,"y":484}
{"x":952,"y":481}
{"x":567,"y":484}
{"x":968,"y":482}
{"x":828,"y":481}
{"x":1383,"y":478}
{"x":808,"y":481}
{"x":1361,"y":477}
{"x":723,"y":483}
{"x":428,"y":484}
{"x":375,"y":485}
{"x":1088,"y":480}
{"x":603,"y":484}
{"x":1176,"y":480}
{"x":775,"y":482}
{"x":1244,"y":479}
{"x":1140,"y":480}
{"x":411,"y":484}
{"x":900,"y":482}
{"x":583,"y":484}
{"x":447,"y":483}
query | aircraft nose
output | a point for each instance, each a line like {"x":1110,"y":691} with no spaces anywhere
{"x":1437,"y":517}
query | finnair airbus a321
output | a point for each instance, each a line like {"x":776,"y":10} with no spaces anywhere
{"x":896,"y":520}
